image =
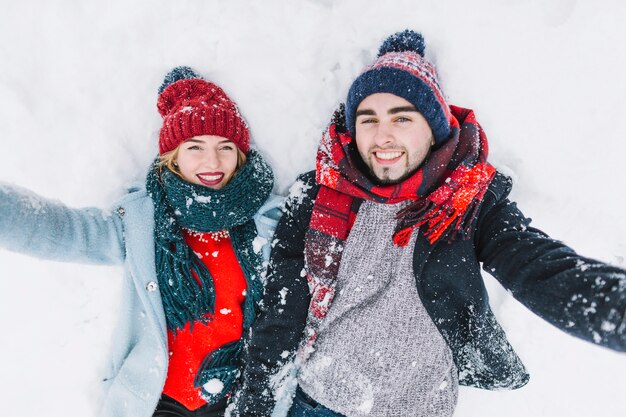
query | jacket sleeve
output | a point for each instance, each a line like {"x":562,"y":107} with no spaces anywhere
{"x":47,"y":229}
{"x":581,"y":296}
{"x":266,"y":220}
{"x":277,"y":332}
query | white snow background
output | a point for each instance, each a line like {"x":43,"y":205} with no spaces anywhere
{"x":78,"y":122}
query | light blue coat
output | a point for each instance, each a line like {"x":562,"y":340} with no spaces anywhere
{"x":124,"y":235}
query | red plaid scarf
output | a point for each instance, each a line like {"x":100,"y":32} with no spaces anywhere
{"x":446,"y":190}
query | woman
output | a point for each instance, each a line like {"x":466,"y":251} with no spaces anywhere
{"x":192,"y":245}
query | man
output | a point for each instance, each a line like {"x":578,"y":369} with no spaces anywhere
{"x":374,"y":289}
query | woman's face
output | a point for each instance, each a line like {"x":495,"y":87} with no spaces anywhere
{"x":207,"y":160}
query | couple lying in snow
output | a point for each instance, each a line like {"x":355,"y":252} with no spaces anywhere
{"x":373,"y":302}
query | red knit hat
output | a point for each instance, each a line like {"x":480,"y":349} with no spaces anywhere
{"x":191,"y":106}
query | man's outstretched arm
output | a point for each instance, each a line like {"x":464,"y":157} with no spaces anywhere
{"x":581,"y":296}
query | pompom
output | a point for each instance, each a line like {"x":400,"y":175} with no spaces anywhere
{"x":406,"y":40}
{"x":178,"y":73}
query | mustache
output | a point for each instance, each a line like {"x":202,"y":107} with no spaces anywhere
{"x":392,"y":148}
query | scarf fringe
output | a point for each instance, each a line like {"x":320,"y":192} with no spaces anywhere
{"x":455,"y":203}
{"x":223,"y":365}
{"x":252,"y":267}
{"x":189,"y":293}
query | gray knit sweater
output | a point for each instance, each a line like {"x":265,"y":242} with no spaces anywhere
{"x":378,"y":352}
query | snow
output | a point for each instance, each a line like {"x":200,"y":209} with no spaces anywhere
{"x":202,"y":199}
{"x":214,"y":386}
{"x":78,"y":122}
{"x":258,"y":243}
{"x":283,"y":295}
{"x":297,"y":191}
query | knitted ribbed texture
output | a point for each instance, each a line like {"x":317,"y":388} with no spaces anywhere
{"x":194,"y":107}
{"x":378,"y":353}
{"x":179,"y":203}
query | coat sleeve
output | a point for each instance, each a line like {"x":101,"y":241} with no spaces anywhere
{"x":266,"y":220}
{"x":47,"y":229}
{"x":277,"y":332}
{"x":584,"y":297}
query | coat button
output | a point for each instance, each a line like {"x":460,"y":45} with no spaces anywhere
{"x":121,"y":211}
{"x":152,"y":286}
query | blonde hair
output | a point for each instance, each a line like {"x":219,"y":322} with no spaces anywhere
{"x":168,"y":160}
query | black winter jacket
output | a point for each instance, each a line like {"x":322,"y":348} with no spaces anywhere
{"x":581,"y":296}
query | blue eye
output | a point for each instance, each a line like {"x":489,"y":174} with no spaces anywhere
{"x":226,"y":148}
{"x":193,"y":148}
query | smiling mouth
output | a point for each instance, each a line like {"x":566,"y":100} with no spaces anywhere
{"x":210,"y":179}
{"x":387,"y":157}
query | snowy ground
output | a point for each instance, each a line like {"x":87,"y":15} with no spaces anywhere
{"x":78,"y":83}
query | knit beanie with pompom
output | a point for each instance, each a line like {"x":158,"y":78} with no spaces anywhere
{"x":191,"y":106}
{"x":401,"y":69}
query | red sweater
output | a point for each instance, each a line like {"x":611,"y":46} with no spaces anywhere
{"x":188,"y":349}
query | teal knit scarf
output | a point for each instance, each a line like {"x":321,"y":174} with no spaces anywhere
{"x":181,"y":204}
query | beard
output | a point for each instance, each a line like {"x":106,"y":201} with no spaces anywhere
{"x":385,"y":179}
{"x":384,"y":176}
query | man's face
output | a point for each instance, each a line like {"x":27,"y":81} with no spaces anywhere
{"x":392,"y":137}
